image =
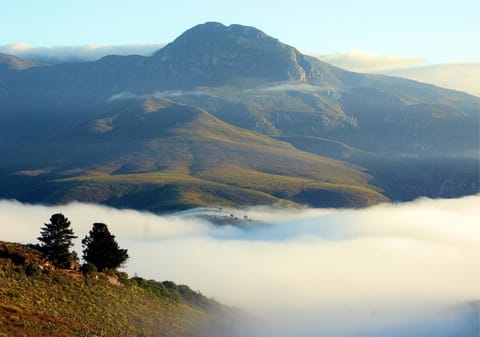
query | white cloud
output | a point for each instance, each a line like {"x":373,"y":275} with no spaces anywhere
{"x":369,"y":62}
{"x":457,"y":76}
{"x":158,"y":94}
{"x":311,"y":271}
{"x":57,"y":54}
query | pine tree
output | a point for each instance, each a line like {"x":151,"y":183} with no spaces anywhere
{"x":56,"y":240}
{"x":102,"y":250}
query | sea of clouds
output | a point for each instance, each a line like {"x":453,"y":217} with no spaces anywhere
{"x":409,"y":269}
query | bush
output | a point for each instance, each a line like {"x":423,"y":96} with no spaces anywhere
{"x":57,"y":278}
{"x":88,"y":268}
{"x":32,"y":270}
{"x":157,"y":288}
{"x":122,"y":277}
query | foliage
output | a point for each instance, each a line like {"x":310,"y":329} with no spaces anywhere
{"x":88,"y":268}
{"x":64,"y":303}
{"x":56,"y":241}
{"x":32,"y":269}
{"x":122,"y":276}
{"x":101,"y":249}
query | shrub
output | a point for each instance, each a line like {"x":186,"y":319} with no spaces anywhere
{"x":20,"y":269}
{"x":88,"y":268}
{"x":122,"y":277}
{"x":32,"y":270}
{"x":57,"y":278}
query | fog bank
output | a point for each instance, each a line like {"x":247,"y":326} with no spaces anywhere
{"x":411,"y":266}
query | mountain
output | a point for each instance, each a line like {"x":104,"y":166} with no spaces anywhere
{"x":83,"y":130}
{"x":213,"y":54}
{"x":152,"y":153}
{"x":39,"y":301}
{"x":10,"y":62}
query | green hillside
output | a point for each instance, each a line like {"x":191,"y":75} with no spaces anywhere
{"x":152,"y":153}
{"x":57,"y":303}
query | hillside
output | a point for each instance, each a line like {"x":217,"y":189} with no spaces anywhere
{"x":152,"y":153}
{"x":56,"y":303}
{"x":207,"y":120}
{"x":11,"y":62}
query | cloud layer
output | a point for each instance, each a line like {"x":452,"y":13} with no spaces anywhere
{"x":456,"y":76}
{"x":59,"y":54}
{"x":312,"y":269}
{"x":368,"y":62}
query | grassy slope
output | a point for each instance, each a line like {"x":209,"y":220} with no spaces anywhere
{"x":64,"y":303}
{"x":157,"y":163}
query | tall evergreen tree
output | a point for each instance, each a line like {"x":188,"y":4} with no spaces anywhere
{"x":56,"y":240}
{"x":102,"y":250}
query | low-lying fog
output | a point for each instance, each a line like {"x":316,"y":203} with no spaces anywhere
{"x":410,"y":269}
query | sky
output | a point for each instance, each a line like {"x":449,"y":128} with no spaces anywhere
{"x":433,"y":31}
{"x":410,"y":266}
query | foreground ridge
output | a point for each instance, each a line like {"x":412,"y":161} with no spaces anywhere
{"x":37,"y":299}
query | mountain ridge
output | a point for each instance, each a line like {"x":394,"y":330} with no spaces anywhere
{"x":154,"y":144}
{"x":246,"y":79}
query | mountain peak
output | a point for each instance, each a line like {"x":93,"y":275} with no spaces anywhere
{"x":216,"y":29}
{"x":215,"y":54}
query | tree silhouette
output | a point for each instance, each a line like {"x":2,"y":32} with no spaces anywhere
{"x":56,"y":239}
{"x":102,"y":250}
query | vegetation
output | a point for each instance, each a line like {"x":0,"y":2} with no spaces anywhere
{"x":101,"y":249}
{"x":56,"y":241}
{"x":197,"y":161}
{"x":61,"y":303}
{"x":40,"y":298}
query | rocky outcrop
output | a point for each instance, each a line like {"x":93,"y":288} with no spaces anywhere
{"x":213,"y":54}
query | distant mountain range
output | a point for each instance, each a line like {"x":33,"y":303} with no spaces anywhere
{"x":229,"y":116}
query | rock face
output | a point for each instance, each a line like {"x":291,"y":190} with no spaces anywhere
{"x":214,"y":54}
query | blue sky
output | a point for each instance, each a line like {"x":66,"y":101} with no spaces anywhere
{"x":435,"y":31}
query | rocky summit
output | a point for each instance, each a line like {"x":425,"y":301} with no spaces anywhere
{"x":214,"y":54}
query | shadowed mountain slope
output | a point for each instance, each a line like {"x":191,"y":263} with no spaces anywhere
{"x":83,"y":120}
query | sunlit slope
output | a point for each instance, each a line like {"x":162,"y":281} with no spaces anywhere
{"x":152,"y":153}
{"x":61,"y":303}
